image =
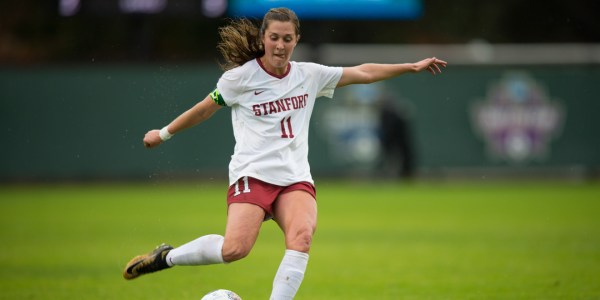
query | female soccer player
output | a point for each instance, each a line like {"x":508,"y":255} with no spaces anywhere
{"x":271,"y":100}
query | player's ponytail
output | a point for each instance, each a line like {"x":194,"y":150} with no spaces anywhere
{"x":240,"y":42}
{"x":241,"y":39}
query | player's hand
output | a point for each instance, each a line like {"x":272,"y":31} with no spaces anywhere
{"x":152,"y":139}
{"x":431,"y":64}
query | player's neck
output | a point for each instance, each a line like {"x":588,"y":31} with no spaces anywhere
{"x":273,"y":70}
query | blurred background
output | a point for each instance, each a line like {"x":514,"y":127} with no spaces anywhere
{"x":81,"y":81}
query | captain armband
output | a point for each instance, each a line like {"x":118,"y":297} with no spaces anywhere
{"x":216,"y":96}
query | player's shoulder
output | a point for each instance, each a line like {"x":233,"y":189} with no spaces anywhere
{"x":306,"y":65}
{"x":313,"y":67}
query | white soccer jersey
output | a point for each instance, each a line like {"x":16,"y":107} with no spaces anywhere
{"x":270,"y":116}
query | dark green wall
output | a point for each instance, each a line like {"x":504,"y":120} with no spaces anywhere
{"x":78,"y":122}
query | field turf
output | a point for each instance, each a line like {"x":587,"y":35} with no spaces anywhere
{"x":444,"y":240}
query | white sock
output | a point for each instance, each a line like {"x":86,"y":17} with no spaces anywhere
{"x":290,"y":275}
{"x":205,"y":250}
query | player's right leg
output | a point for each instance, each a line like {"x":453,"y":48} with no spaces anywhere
{"x":204,"y":250}
{"x":147,"y":263}
{"x":243,"y":224}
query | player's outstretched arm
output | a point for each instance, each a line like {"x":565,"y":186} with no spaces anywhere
{"x":199,"y":113}
{"x":369,"y":73}
{"x":430,"y":64}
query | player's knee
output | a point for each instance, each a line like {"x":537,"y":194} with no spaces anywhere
{"x":235,"y":251}
{"x":301,"y":240}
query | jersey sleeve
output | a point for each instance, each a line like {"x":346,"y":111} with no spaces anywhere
{"x":228,"y":89}
{"x":328,"y":79}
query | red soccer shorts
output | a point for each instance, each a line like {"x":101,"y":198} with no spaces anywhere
{"x":254,"y":191}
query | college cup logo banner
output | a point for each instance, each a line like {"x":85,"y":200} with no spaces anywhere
{"x":517,"y":119}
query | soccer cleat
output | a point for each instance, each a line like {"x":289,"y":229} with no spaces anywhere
{"x":148,"y":263}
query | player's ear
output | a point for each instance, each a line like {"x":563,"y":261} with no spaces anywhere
{"x":297,"y":39}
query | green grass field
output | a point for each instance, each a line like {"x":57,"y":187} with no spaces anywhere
{"x":452,"y":240}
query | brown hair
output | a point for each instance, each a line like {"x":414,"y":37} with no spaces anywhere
{"x":241,"y":39}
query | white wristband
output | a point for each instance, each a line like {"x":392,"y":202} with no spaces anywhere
{"x":165,"y":134}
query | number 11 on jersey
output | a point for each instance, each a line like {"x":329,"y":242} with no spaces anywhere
{"x":289,"y":133}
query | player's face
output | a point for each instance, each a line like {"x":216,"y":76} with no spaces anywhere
{"x":279,"y":41}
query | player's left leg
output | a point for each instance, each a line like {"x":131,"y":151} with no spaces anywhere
{"x":296,"y":214}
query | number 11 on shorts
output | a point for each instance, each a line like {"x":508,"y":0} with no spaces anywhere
{"x":246,"y":186}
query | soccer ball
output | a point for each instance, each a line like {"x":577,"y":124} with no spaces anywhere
{"x":221,"y":295}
